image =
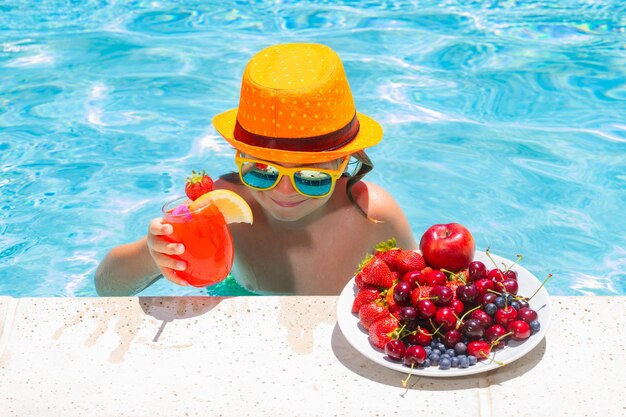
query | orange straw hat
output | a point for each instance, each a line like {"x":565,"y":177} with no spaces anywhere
{"x":296,"y":107}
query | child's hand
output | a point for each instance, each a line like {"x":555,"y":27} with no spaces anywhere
{"x":160,"y":250}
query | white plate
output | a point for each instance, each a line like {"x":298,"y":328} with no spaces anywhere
{"x":357,"y":336}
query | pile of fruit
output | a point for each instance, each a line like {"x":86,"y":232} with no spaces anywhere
{"x":443,"y":308}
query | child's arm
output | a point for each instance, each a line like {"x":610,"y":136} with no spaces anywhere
{"x":130,"y":268}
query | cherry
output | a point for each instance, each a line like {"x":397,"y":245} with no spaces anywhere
{"x":457,"y":306}
{"x":395,"y":349}
{"x":445,"y":316}
{"x":505,"y":315}
{"x":473,"y":329}
{"x":494,"y":333}
{"x":414,"y":278}
{"x":483,"y":285}
{"x":488,"y":298}
{"x":408,"y":316}
{"x":436,"y":277}
{"x":479,"y":348}
{"x":419,"y":337}
{"x":520,"y":329}
{"x":402,"y":293}
{"x":426,"y":308}
{"x":484,"y":318}
{"x":508,"y":285}
{"x":510,"y":274}
{"x":527,"y":314}
{"x":451,"y":337}
{"x":477,"y":270}
{"x":468,"y":294}
{"x":443,"y":295}
{"x":496,"y":275}
{"x":414,"y":355}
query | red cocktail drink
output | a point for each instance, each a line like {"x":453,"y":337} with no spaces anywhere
{"x":208,"y":243}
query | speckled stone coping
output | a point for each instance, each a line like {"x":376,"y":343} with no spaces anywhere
{"x":280,"y":356}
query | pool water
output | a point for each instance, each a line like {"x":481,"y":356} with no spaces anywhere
{"x":505,"y":116}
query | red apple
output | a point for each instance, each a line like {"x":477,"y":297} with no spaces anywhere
{"x":447,"y":246}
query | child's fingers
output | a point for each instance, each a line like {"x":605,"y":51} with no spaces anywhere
{"x":158,"y":228}
{"x":171,"y":276}
{"x":168,"y":248}
{"x":164,"y":261}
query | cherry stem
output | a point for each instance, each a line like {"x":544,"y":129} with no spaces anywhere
{"x":496,"y":341}
{"x":435,"y":329}
{"x":459,"y":321}
{"x":405,"y":382}
{"x":492,"y":359}
{"x":489,"y":256}
{"x":455,"y":275}
{"x":542,"y":284}
{"x":519,"y":259}
{"x":422,"y":331}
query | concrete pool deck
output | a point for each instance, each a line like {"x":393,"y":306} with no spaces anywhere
{"x":280,"y":356}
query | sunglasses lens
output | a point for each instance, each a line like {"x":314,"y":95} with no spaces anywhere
{"x":312,"y":182}
{"x":259,"y":175}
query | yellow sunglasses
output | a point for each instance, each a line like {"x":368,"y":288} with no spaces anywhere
{"x":309,"y":181}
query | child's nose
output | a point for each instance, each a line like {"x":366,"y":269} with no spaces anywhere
{"x":284,"y":186}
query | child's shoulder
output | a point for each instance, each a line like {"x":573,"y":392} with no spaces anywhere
{"x":376,"y":201}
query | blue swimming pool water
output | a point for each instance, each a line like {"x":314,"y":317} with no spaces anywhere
{"x":506,"y":116}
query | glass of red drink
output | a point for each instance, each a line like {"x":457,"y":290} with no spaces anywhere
{"x":208,"y":244}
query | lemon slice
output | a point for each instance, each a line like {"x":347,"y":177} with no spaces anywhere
{"x":231,"y":205}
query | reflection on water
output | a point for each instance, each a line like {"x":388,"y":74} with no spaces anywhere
{"x":505,"y":116}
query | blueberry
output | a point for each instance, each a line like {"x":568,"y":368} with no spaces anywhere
{"x":491,"y":308}
{"x":426,"y":363}
{"x":444,"y":364}
{"x":428,"y":350}
{"x":460,"y":348}
{"x":441,"y":347}
{"x":515,"y":304}
{"x":445,"y":356}
{"x":451,"y":352}
{"x":500,"y":301}
{"x":433,"y":344}
{"x":534,"y":326}
{"x":471,"y":360}
{"x":434,"y":359}
{"x":463,"y":363}
{"x":462,"y":357}
{"x":509,"y":298}
{"x":454,"y":361}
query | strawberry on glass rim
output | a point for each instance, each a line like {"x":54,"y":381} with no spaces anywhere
{"x":198,"y":183}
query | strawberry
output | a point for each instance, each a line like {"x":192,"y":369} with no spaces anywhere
{"x":383,"y":330}
{"x":376,"y":272}
{"x":370,"y":313}
{"x":420,"y":293}
{"x":389,"y":257}
{"x":358,"y":280}
{"x":408,"y":260}
{"x":387,"y":251}
{"x":366,"y":294}
{"x":453,"y":285}
{"x":198,"y":184}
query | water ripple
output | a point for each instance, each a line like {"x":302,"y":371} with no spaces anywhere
{"x":505,"y":116}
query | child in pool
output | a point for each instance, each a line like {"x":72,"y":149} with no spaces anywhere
{"x":296,"y":110}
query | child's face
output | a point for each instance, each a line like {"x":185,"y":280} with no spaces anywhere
{"x":284,"y":203}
